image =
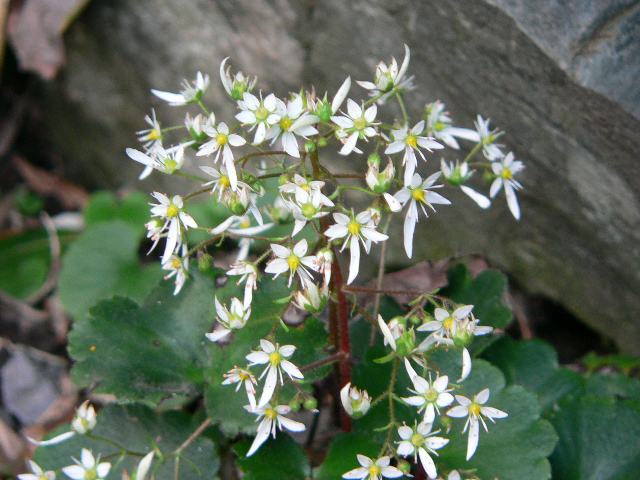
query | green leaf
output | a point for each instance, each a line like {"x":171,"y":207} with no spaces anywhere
{"x":224,"y":405}
{"x":101,"y":263}
{"x":280,"y":458}
{"x":147,"y":352}
{"x":534,"y":365}
{"x":140,"y":430}
{"x":485,"y":292}
{"x":106,"y":207}
{"x":598,"y":439}
{"x":310,"y":340}
{"x":25,"y":260}
{"x":515,"y":447}
{"x":341,"y":456}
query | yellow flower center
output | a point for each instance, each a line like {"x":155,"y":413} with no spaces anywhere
{"x":418,"y":195}
{"x":506,"y":174}
{"x":172,"y":211}
{"x":90,"y":474}
{"x":474,"y":409}
{"x":270,"y":413}
{"x":431,"y":395}
{"x":447,"y":323}
{"x":275,"y":358}
{"x":261,"y":113}
{"x":309,"y":210}
{"x":293,"y":261}
{"x":360,"y":123}
{"x":285,"y":123}
{"x":243,"y":376}
{"x":354,"y":227}
{"x":412,"y":141}
{"x":175,"y":263}
{"x":439,"y":126}
{"x":224,"y":181}
{"x":417,"y":439}
{"x":221,"y":139}
{"x":245,"y":223}
{"x":374,"y":471}
{"x":171,"y":165}
{"x":154,"y":134}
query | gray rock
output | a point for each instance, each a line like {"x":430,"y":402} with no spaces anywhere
{"x":559,"y":77}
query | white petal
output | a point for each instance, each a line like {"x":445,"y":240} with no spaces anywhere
{"x":52,"y":441}
{"x":356,"y":473}
{"x":414,"y":401}
{"x":459,"y":411}
{"x":405,"y":448}
{"x":341,"y":94}
{"x":300,"y":248}
{"x":474,"y":434}
{"x":512,"y":200}
{"x":409,"y":228}
{"x":354,"y":263}
{"x":493,"y":412}
{"x":291,"y":425}
{"x":291,"y":369}
{"x":466,"y":365}
{"x":481,"y":200}
{"x":391,"y":472}
{"x":427,"y":463}
{"x":350,"y":144}
{"x":394,"y":204}
{"x":483,"y":396}
{"x":76,"y":472}
{"x":269,"y":386}
{"x":386,"y":332}
{"x":171,"y":98}
{"x":218,"y":335}
{"x":261,"y":437}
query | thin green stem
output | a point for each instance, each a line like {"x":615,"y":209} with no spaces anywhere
{"x":190,"y":176}
{"x":172,"y":128}
{"x":405,"y":115}
{"x":196,"y":193}
{"x":202,"y":106}
{"x":392,"y":406}
{"x":474,"y":151}
{"x":242,"y":160}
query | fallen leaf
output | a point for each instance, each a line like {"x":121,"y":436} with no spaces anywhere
{"x":35,"y":31}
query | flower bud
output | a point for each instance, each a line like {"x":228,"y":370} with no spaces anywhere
{"x":205,"y":261}
{"x":237,"y":205}
{"x":323,"y":110}
{"x":406,"y":344}
{"x":310,"y":403}
{"x":309,"y":146}
{"x":295,"y":404}
{"x":373,"y":159}
{"x":280,"y":212}
{"x":312,"y":299}
{"x":85,"y":419}
{"x":379,"y":182}
{"x":404,"y":467}
{"x":322,"y":142}
{"x":354,"y":401}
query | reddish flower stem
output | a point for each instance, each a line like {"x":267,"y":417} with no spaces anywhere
{"x":343,"y":344}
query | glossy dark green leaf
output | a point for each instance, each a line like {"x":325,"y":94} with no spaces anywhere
{"x":280,"y":458}
{"x":341,"y":456}
{"x":140,"y":430}
{"x":103,"y":262}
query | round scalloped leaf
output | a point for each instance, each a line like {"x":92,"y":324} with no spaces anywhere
{"x":280,"y":458}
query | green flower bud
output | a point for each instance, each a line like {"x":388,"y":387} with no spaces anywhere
{"x":322,"y":142}
{"x":205,"y":261}
{"x":406,"y":344}
{"x":310,"y":403}
{"x":284,"y":178}
{"x":236,"y":206}
{"x":374,"y":159}
{"x":404,"y":467}
{"x":295,"y":404}
{"x":309,"y":146}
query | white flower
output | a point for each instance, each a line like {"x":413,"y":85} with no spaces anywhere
{"x":83,"y":422}
{"x":358,"y":123}
{"x":411,"y":141}
{"x":429,"y":395}
{"x":164,"y":160}
{"x":150,"y":137}
{"x":221,"y":182}
{"x":389,"y":79}
{"x":306,"y":207}
{"x":87,"y":468}
{"x":355,"y":229}
{"x":240,"y":225}
{"x":322,"y":108}
{"x":260,"y":114}
{"x":439,"y":126}
{"x":144,"y":466}
{"x":37,"y":473}
{"x":233,"y":318}
{"x":390,"y":332}
{"x":300,"y":188}
{"x":323,"y":261}
{"x":418,"y":192}
{"x":242,"y":376}
{"x":292,"y":260}
{"x":457,"y":175}
{"x":373,"y":469}
{"x":311,"y":298}
{"x":275,"y":357}
{"x":490,"y":149}
{"x":419,"y":442}
{"x":505,"y":171}
{"x":293,"y":121}
{"x":235,"y":85}
{"x":174,"y":221}
{"x":271,"y":418}
{"x":221,"y":142}
{"x":191,"y":92}
{"x":379,"y":182}
{"x":355,"y":402}
{"x":178,"y":267}
{"x":195,"y":125}
{"x":475,"y":411}
{"x":249,"y":275}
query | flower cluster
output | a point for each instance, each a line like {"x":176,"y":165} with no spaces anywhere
{"x":265,"y":165}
